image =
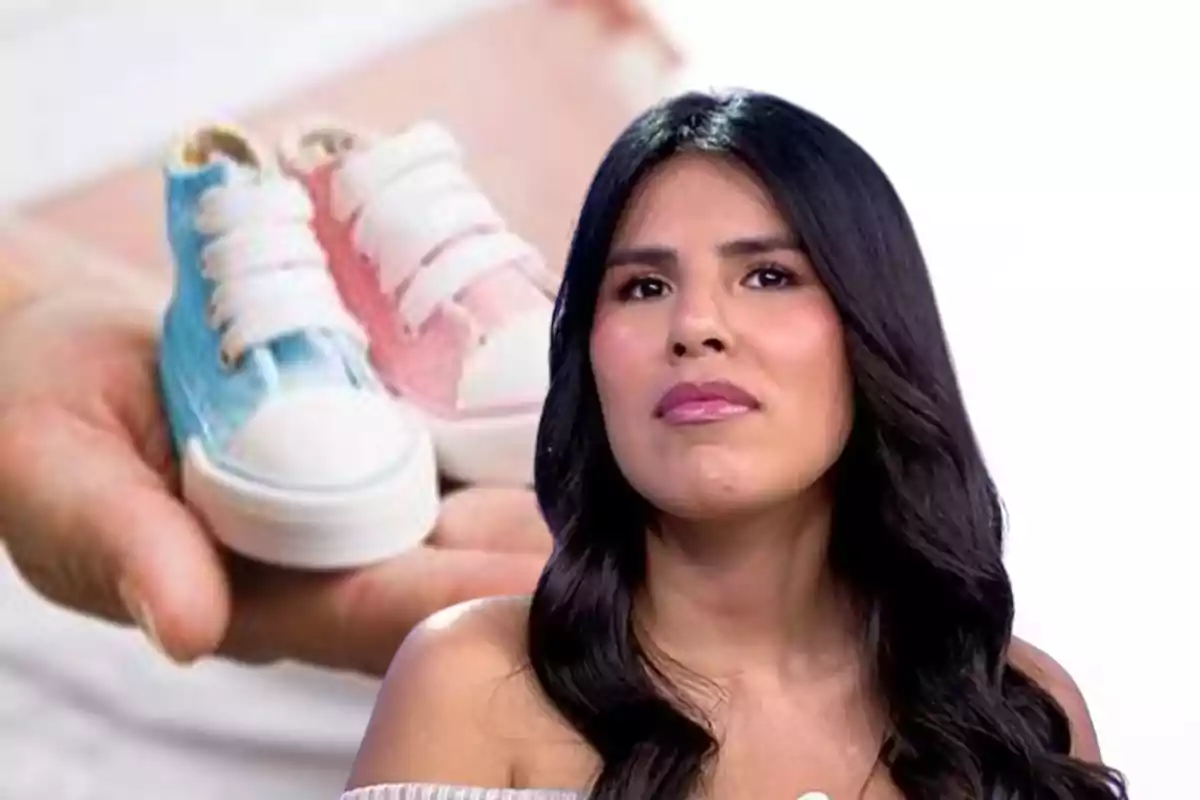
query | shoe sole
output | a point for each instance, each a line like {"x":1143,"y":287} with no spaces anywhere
{"x":487,"y":450}
{"x":316,"y":529}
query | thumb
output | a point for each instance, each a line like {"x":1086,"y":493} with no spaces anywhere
{"x":93,"y":527}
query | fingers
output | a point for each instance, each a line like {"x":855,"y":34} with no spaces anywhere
{"x":357,"y":620}
{"x":495,"y":519}
{"x":488,"y":541}
{"x":91,"y":526}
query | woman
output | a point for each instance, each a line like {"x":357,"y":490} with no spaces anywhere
{"x":777,"y":564}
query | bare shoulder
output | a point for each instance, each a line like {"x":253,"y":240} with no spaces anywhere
{"x":1058,"y":683}
{"x":447,"y":706}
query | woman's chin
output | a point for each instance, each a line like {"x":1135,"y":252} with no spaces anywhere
{"x":696,"y":503}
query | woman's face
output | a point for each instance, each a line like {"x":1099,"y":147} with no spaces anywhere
{"x":717,"y":354}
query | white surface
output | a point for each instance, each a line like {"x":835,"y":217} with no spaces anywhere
{"x":90,"y":712}
{"x":1049,"y":154}
{"x":81,"y":91}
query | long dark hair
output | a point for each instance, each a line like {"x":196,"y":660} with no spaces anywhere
{"x":917,"y":521}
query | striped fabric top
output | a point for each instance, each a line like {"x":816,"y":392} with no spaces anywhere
{"x":438,"y":791}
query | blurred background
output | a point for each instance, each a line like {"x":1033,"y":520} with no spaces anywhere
{"x":1047,"y":152}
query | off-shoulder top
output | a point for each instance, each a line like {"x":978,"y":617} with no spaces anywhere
{"x":439,"y":791}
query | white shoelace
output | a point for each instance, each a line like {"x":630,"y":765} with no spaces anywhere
{"x":269,"y":271}
{"x":412,"y":196}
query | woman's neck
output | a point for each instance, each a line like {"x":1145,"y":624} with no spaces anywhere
{"x":748,"y":595}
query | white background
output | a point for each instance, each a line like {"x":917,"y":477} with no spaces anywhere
{"x":1049,"y":153}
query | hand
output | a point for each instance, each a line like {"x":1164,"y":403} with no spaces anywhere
{"x":90,"y":511}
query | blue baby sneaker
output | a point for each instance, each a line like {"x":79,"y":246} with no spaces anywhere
{"x":291,"y":449}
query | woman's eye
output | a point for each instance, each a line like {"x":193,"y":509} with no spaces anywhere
{"x":771,"y":276}
{"x":644,"y":288}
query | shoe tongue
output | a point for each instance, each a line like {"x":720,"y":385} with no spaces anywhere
{"x":324,"y":145}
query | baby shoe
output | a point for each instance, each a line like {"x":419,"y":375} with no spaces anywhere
{"x":292,"y":450}
{"x":456,"y":305}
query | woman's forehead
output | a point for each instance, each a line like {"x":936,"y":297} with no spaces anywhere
{"x":698,"y":196}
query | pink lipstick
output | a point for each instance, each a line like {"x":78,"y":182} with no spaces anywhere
{"x":698,"y":403}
